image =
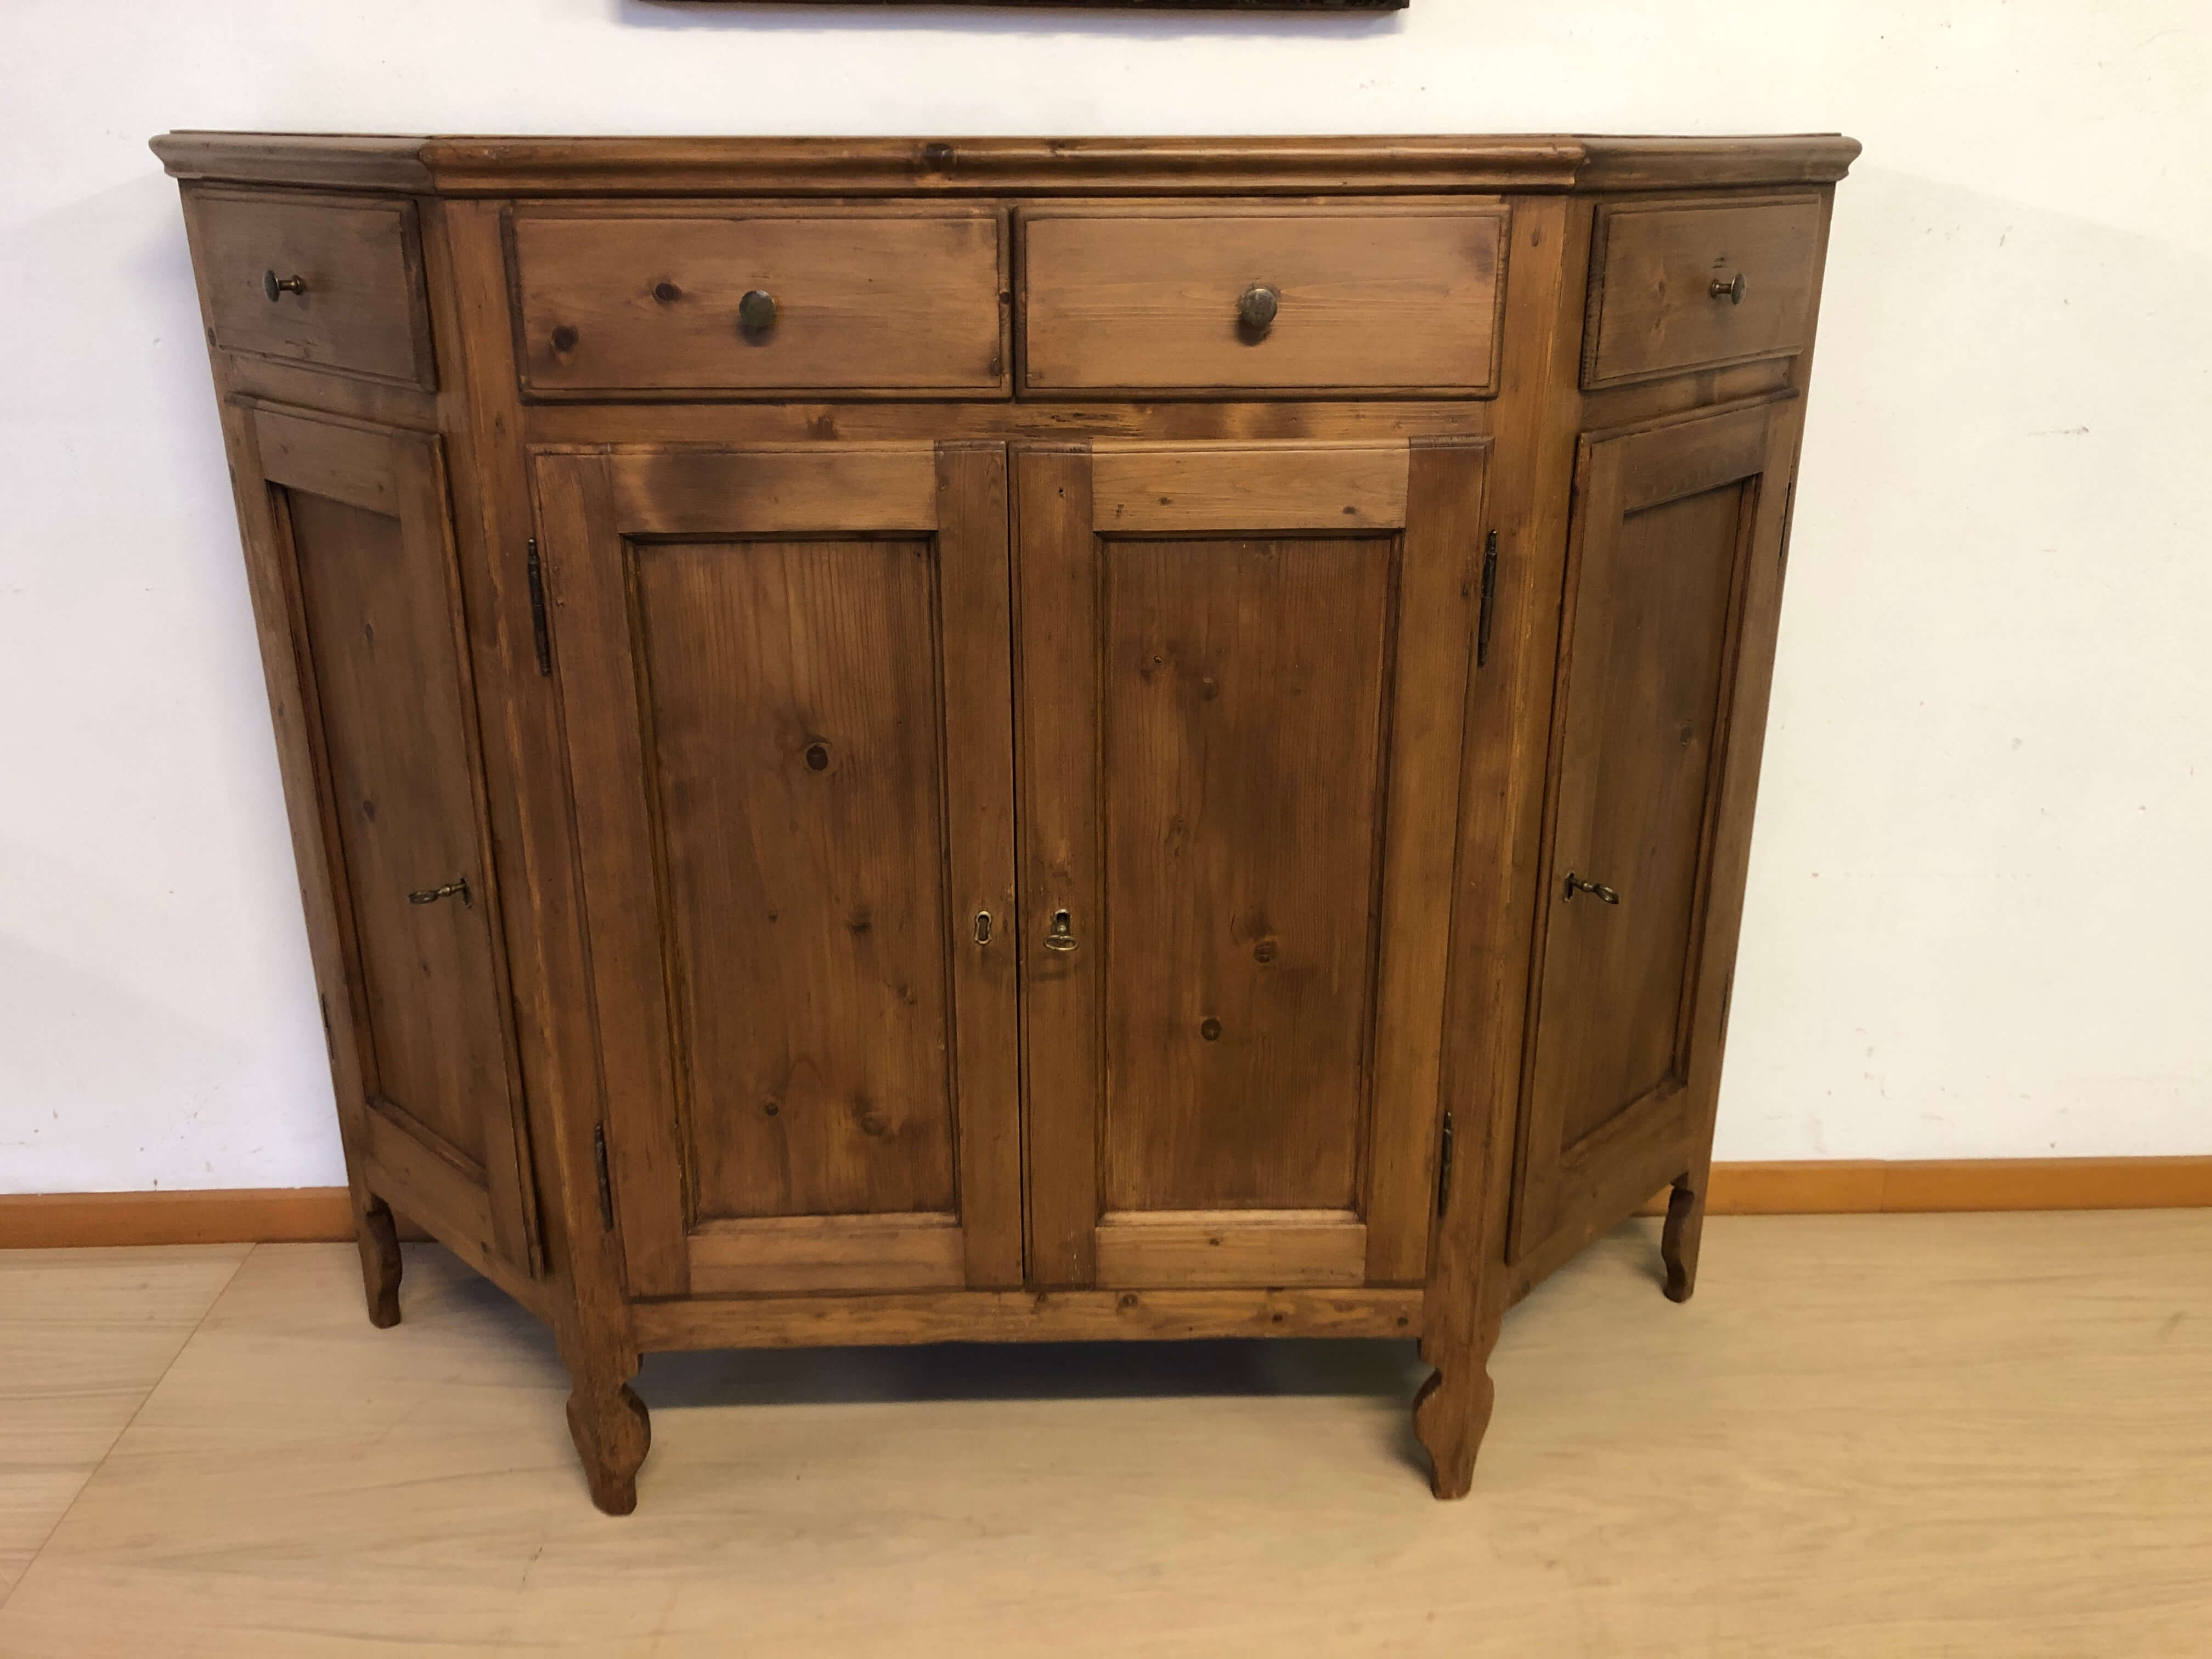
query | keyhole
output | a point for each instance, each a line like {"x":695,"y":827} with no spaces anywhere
{"x":564,"y":339}
{"x":817,"y":757}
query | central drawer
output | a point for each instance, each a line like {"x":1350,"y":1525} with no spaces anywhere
{"x":1378,"y":301}
{"x":881,"y":301}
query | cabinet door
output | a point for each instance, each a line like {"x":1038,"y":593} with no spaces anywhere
{"x":1660,"y":703}
{"x":420,"y":1046}
{"x":1243,"y":670}
{"x":785,"y":675}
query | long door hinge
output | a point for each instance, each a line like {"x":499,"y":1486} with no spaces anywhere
{"x":606,"y":1186}
{"x":1489,"y":599}
{"x":538,"y":635}
{"x":1444,"y":1168}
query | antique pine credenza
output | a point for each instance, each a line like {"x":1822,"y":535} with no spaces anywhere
{"x":903,"y":741}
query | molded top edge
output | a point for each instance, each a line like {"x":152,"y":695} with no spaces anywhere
{"x":461,"y":165}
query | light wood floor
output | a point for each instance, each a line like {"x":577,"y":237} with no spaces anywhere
{"x":1982,"y":1435}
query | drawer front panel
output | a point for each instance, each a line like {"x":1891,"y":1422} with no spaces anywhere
{"x":882,"y":303}
{"x":1387,"y":301}
{"x":351,"y":298}
{"x":1677,"y":286}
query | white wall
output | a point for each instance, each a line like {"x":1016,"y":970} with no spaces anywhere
{"x":1980,"y":918}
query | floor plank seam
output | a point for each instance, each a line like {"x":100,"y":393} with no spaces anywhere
{"x":136,"y":1410}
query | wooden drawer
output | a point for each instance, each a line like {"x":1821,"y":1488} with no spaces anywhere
{"x":1377,"y":301}
{"x":358,"y":307}
{"x":1686,"y":285}
{"x":905,"y":303}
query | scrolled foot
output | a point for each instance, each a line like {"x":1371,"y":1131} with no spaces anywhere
{"x":1450,"y":1414}
{"x":612,"y":1432}
{"x":378,"y":1236}
{"x":1679,"y":1242}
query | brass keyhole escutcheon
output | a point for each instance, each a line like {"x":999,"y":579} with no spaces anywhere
{"x":982,"y":928}
{"x":1061,"y":936}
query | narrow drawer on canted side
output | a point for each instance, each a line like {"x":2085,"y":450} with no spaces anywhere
{"x":742,"y":304}
{"x":1677,"y":286}
{"x":323,"y":282}
{"x":1370,"y":300}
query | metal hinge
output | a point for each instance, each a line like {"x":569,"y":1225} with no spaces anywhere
{"x":1443,"y":1168}
{"x":543,"y":639}
{"x":1489,"y":596}
{"x":606,"y":1186}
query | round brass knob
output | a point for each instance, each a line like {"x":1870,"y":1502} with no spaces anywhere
{"x":273,"y":285}
{"x":1732,"y":292}
{"x":757,"y":312}
{"x":1256,"y":306}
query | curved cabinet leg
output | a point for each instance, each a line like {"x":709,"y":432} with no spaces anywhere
{"x":1678,"y":1245}
{"x":378,"y":1236}
{"x":612,"y":1434}
{"x":1449,"y":1415}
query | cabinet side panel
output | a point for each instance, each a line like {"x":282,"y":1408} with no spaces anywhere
{"x":792,"y":692}
{"x":1243,"y":716}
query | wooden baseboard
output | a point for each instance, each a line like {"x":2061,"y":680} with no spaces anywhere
{"x":1908,"y":1186}
{"x":1835,"y":1186}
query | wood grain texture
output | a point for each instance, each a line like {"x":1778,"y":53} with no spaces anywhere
{"x":788,"y":1253}
{"x":362,"y":311}
{"x":907,"y":302}
{"x":1126,"y":1315}
{"x":1200,"y":1248}
{"x":1243,"y":728}
{"x":500,"y":166}
{"x":1379,"y":299}
{"x":1653,"y":269}
{"x":1139,"y":488}
{"x":1057,"y":713}
{"x":795,"y":773}
{"x":1437,"y":583}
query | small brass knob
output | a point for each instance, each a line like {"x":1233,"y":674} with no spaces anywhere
{"x":273,"y":285}
{"x":757,"y":312}
{"x":1256,"y":306}
{"x":1732,"y":292}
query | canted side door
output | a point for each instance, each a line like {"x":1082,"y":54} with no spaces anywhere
{"x":785,"y":674}
{"x":1674,"y":588}
{"x":1242,"y":687}
{"x":349,"y":541}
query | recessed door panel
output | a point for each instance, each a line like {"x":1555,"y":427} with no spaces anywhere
{"x":1244,"y":682}
{"x":798,"y":786}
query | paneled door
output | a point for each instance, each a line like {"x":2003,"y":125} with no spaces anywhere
{"x":785,"y":673}
{"x":1242,"y":691}
{"x":1674,"y":584}
{"x":352,"y":539}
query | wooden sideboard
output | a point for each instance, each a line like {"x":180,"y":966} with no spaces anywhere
{"x":900,"y":741}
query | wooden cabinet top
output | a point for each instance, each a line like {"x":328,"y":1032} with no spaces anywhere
{"x":462,"y":166}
